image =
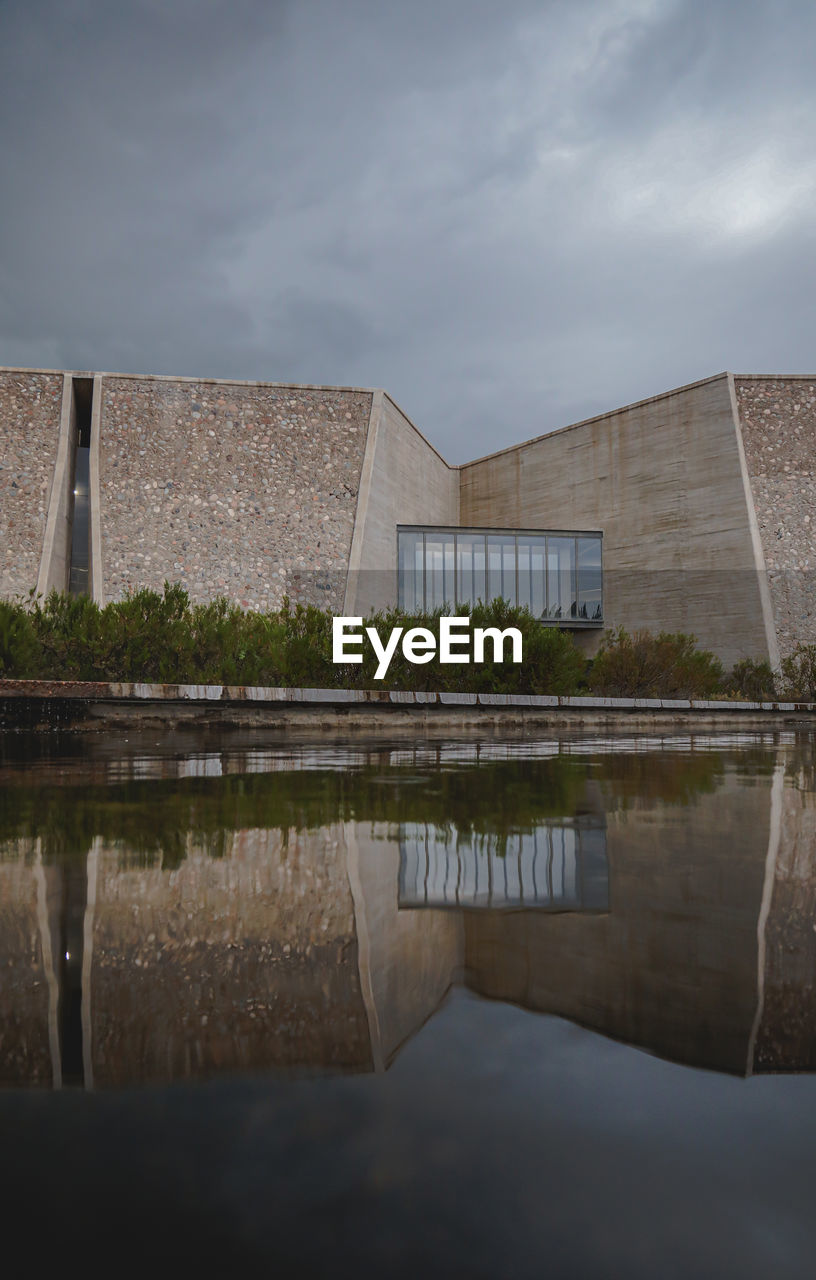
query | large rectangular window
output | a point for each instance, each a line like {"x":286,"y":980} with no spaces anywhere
{"x":557,"y":575}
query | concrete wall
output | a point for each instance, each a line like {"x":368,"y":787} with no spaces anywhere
{"x":30,"y":404}
{"x":662,"y":479}
{"x":778,"y":422}
{"x":405,"y":481}
{"x":241,"y":489}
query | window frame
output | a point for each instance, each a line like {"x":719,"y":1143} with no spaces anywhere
{"x":443,"y":532}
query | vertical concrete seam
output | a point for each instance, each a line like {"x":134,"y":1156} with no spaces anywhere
{"x":59,"y":485}
{"x":97,"y":586}
{"x":363,"y":944}
{"x":774,"y":837}
{"x":92,"y":872}
{"x":51,"y":979}
{"x":361,"y":511}
{"x":756,"y":537}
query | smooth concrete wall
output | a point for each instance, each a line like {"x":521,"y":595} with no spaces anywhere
{"x":55,"y":562}
{"x":30,"y":409}
{"x":778,"y":423}
{"x":662,"y":479}
{"x":404,"y":481}
{"x":246,"y":490}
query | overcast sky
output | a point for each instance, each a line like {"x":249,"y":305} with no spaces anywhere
{"x":510,"y":215}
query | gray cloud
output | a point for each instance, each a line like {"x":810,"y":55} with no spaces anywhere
{"x":509,"y":216}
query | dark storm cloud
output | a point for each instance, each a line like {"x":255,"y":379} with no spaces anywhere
{"x":509,"y":216}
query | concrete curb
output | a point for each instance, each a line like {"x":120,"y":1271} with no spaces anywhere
{"x":100,"y":691}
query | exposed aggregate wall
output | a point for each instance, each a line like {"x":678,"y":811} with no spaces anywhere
{"x":231,"y":489}
{"x":778,"y":422}
{"x":30,"y":406}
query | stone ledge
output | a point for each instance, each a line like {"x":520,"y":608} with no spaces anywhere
{"x":101,"y":691}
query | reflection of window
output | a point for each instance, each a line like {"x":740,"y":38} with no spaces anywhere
{"x":558,"y":866}
{"x":557,"y":576}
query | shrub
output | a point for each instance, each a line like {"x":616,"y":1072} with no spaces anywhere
{"x":668,"y":665}
{"x":20,"y":654}
{"x":751,"y":680}
{"x":799,"y":674}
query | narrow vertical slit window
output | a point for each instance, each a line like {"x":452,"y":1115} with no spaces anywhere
{"x":80,"y":500}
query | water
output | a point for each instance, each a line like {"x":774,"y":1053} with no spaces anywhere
{"x":485,"y":1008}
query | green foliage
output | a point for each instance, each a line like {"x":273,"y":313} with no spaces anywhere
{"x":20,"y":655}
{"x":551,"y":662}
{"x":799,"y":674}
{"x":751,"y":680}
{"x":668,"y":665}
{"x":151,"y":637}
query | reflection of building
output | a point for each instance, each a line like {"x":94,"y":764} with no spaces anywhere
{"x":700,"y":499}
{"x":558,"y":866}
{"x":306,"y":950}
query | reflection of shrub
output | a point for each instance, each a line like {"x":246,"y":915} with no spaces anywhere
{"x":799,"y":674}
{"x":647,"y":666}
{"x":751,"y":680}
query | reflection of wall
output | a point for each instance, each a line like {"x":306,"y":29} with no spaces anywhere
{"x":413,"y":956}
{"x":787,"y":1031}
{"x":25,"y":1050}
{"x":244,"y":961}
{"x":673,"y":965}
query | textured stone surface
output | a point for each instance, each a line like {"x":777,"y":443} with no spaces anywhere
{"x":231,"y":489}
{"x":29,"y":433}
{"x":778,"y":421}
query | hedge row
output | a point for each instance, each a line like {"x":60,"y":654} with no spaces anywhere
{"x":163,"y":638}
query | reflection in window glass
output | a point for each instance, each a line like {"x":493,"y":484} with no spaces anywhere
{"x":589,"y":579}
{"x":561,"y":595}
{"x":556,"y":576}
{"x":411,"y":572}
{"x":439,"y":580}
{"x":531,"y":579}
{"x":470,"y":568}
{"x":501,"y":568}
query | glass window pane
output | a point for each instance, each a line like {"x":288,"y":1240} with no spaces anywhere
{"x":411,"y":574}
{"x":470,"y":568}
{"x":501,"y":568}
{"x":589,"y":579}
{"x":531,"y":573}
{"x":438,"y":571}
{"x":561,"y":594}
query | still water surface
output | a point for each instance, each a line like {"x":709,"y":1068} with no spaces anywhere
{"x":486,"y":1008}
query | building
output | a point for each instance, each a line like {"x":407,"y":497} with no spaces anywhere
{"x":690,"y":511}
